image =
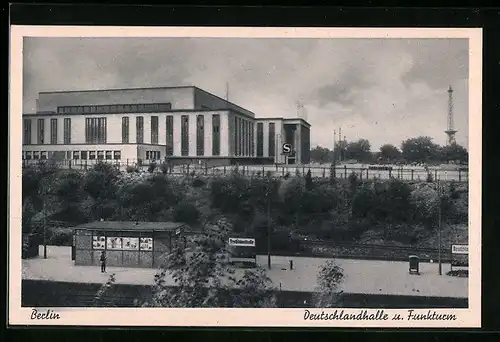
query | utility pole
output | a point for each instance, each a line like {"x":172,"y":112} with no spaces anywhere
{"x":334,"y":143}
{"x":439,"y":227}
{"x":340,"y":144}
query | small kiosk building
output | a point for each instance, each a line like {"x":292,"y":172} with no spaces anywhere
{"x":127,"y":244}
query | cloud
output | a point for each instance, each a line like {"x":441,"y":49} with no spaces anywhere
{"x":384,"y":90}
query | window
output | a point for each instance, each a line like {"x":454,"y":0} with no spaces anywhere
{"x":73,"y":109}
{"x":109,"y":155}
{"x":36,"y":155}
{"x":28,"y":155}
{"x":242,"y":138}
{"x":154,"y":130}
{"x":236,"y":136}
{"x":68,"y":154}
{"x":247,"y":145}
{"x":67,"y":131}
{"x":41,"y":131}
{"x":170,"y":135}
{"x":216,"y":135}
{"x":92,"y":155}
{"x":164,"y":107}
{"x":100,"y":155}
{"x":113,"y":109}
{"x":83,"y":154}
{"x":272,"y":139}
{"x":76,"y":155}
{"x":200,"y":135}
{"x":125,"y":130}
{"x":139,"y":124}
{"x":43,"y":155}
{"x":24,"y":155}
{"x":117,"y":155}
{"x":53,"y":131}
{"x":252,"y":142}
{"x":95,"y":130}
{"x":260,"y":139}
{"x":184,"y":135}
{"x":27,"y":131}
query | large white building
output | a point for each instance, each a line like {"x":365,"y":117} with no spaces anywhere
{"x":178,"y":124}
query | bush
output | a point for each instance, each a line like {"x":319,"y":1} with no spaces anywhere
{"x":186,"y":213}
{"x":132,"y":169}
{"x":198,"y":182}
{"x":60,"y":237}
{"x":152,"y":167}
{"x":164,"y":167}
{"x":430,"y":179}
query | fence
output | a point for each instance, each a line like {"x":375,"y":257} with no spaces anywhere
{"x":407,"y":173}
{"x":316,"y":248}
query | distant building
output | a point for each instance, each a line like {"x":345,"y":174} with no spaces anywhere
{"x":180,"y":124}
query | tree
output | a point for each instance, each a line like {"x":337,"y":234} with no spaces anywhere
{"x":419,"y":150}
{"x":321,"y":155}
{"x":328,"y":293}
{"x":454,"y":153}
{"x":358,"y":150}
{"x":389,"y":153}
{"x":203,"y":278}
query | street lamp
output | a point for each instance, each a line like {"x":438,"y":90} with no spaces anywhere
{"x":44,"y":187}
{"x":269,"y":224}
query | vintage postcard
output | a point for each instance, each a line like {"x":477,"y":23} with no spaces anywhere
{"x":273,"y":177}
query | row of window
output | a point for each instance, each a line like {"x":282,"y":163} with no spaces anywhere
{"x":169,"y":127}
{"x":76,"y":155}
{"x":153,"y":155}
{"x":243,"y":137}
{"x":40,"y":136}
{"x":116,"y":109}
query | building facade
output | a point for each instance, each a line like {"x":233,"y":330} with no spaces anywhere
{"x":179,"y":124}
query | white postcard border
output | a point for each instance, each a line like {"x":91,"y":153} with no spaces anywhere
{"x":466,"y":318}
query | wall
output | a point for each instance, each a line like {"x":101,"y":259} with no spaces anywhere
{"x":180,"y":98}
{"x":114,"y":132}
{"x":43,"y":293}
{"x":279,"y":138}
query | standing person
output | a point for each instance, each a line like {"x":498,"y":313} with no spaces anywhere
{"x":103,"y":262}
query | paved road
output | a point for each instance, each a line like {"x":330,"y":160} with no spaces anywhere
{"x":362,"y":276}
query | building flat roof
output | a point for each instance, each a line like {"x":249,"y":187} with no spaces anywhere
{"x":131,"y":226}
{"x":114,"y":89}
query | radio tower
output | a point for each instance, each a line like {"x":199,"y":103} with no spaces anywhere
{"x":450,"y":131}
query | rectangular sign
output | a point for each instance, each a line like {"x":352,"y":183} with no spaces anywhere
{"x":243,"y":242}
{"x":460,"y":249}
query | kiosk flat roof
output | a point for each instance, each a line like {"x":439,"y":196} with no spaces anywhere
{"x":131,"y":226}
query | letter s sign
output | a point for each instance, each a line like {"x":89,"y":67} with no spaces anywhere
{"x":287,"y":148}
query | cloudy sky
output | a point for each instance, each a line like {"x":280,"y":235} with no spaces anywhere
{"x":383,"y":90}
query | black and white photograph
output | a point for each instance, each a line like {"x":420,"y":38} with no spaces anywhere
{"x":319,"y":177}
